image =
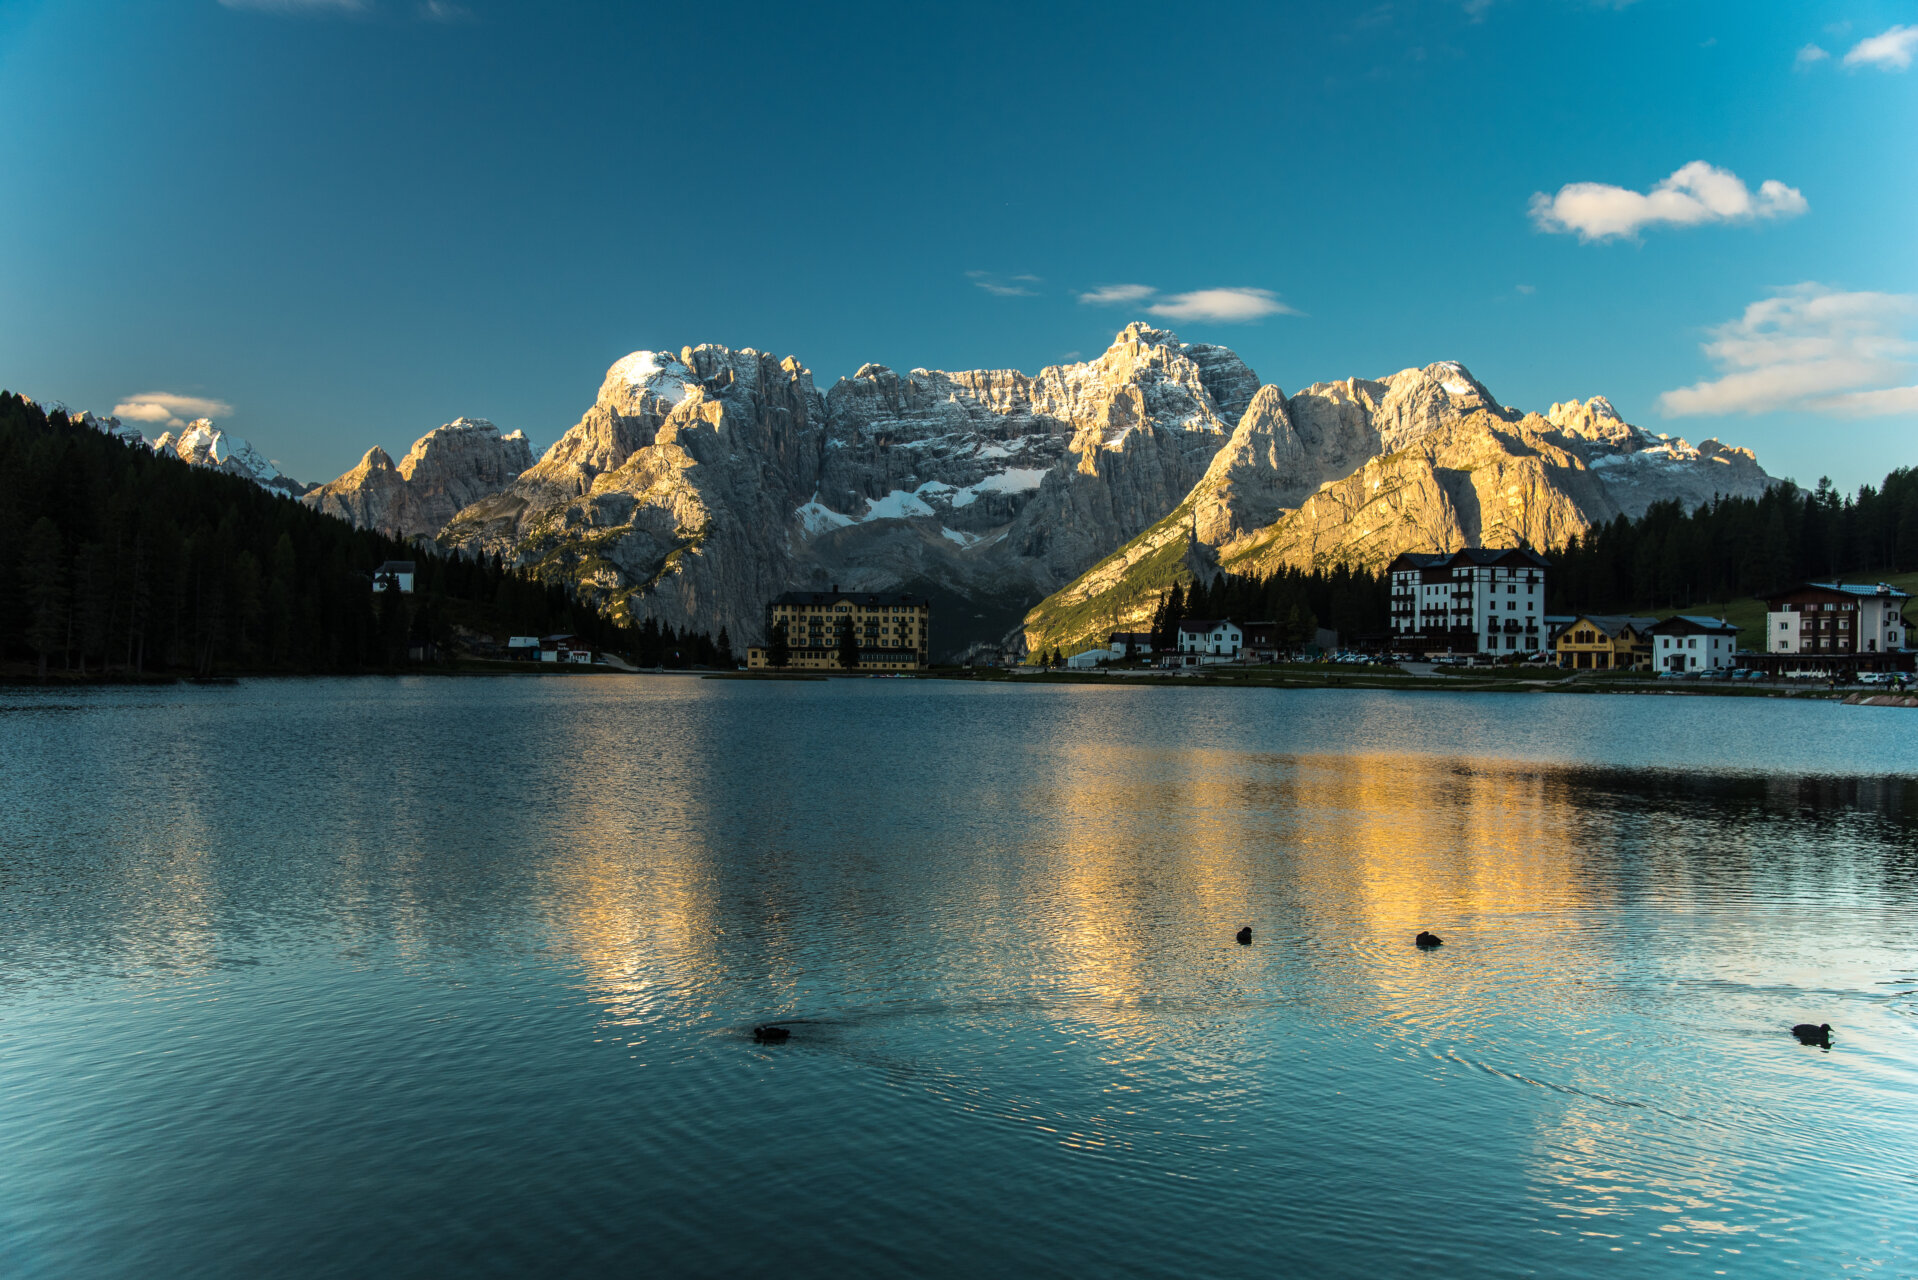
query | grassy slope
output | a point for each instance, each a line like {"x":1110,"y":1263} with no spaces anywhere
{"x":1747,"y":613}
{"x":1071,"y":626}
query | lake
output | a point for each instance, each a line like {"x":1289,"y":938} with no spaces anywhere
{"x":410,"y":977}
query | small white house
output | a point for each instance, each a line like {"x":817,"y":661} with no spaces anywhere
{"x":1688,"y":643}
{"x":1204,"y":640}
{"x":399,"y":571}
{"x":523,"y":648}
{"x":1089,"y":659}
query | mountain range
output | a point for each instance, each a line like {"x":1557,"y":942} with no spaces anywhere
{"x":1051,"y":506}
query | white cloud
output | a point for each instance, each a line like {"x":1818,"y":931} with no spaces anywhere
{"x":1889,"y":50}
{"x":1221,"y":306}
{"x":1527,"y":289}
{"x":172,"y":410}
{"x":1225,"y":306}
{"x":1809,"y":54}
{"x":1004,"y":287}
{"x":1809,"y":348}
{"x":1695,"y":194}
{"x":1108,"y":295}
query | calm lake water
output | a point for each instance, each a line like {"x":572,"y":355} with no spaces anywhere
{"x":429,"y":977}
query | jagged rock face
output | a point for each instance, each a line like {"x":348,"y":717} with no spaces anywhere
{"x":1640,"y":468}
{"x":202,"y":444}
{"x":447,"y":469}
{"x":1479,"y":481}
{"x":1355,"y":472}
{"x":699,"y":484}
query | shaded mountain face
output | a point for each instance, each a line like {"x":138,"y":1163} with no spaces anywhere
{"x":1356,"y":472}
{"x":701,"y":483}
{"x":447,"y":469}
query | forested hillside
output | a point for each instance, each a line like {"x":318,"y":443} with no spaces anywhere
{"x":117,"y":560}
{"x":1738,"y":547}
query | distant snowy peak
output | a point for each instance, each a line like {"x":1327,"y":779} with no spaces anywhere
{"x":201,"y":444}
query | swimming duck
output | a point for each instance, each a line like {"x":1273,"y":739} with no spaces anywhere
{"x":1245,"y":936}
{"x":1818,"y":1035}
{"x":767,"y":1033}
{"x":1429,"y":940}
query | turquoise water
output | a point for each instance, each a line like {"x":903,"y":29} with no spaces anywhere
{"x":427,"y":977}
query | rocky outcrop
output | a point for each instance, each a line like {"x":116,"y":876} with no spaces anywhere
{"x":700,"y":483}
{"x":447,"y":469}
{"x":1477,"y":481}
{"x":201,"y":444}
{"x":1354,"y":472}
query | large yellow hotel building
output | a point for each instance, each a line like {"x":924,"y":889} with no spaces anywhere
{"x":892,"y":630}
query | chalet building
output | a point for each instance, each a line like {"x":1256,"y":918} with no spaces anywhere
{"x":399,"y":572}
{"x":1479,"y":600}
{"x":1206,"y":640}
{"x":1129,"y":644}
{"x":892,"y":630}
{"x":1262,"y":641}
{"x":1691,"y":643}
{"x":1835,"y":629}
{"x":1604,"y":642}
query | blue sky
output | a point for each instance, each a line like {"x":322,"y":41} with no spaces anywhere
{"x":342,"y":224}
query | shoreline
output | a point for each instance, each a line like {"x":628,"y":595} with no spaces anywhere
{"x":1579,"y":683}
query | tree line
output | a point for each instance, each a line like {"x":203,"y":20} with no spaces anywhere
{"x":1738,"y":547}
{"x":115,"y":559}
{"x":1349,"y":600}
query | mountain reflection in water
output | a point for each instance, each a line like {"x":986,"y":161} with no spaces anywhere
{"x":327,"y":978}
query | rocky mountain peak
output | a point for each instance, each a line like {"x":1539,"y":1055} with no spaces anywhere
{"x":1419,"y":401}
{"x":1595,"y":420}
{"x":448,"y":468}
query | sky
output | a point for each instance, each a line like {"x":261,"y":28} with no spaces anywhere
{"x":338,"y":223}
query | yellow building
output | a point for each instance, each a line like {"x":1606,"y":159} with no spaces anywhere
{"x":1605,"y":642}
{"x":892,"y":630}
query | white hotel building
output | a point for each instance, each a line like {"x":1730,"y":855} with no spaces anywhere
{"x":1479,"y":600}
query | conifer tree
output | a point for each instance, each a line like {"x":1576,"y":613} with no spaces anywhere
{"x":848,"y":645}
{"x":43,"y":585}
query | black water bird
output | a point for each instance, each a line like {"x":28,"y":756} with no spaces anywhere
{"x":1245,"y":936}
{"x":767,"y":1033}
{"x":1429,"y":940}
{"x":1818,"y":1035}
